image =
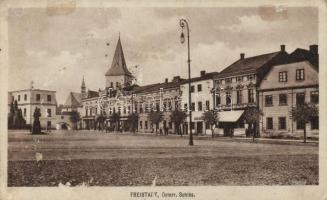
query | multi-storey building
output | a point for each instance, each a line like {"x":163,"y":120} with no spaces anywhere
{"x":164,"y":97}
{"x":29,"y":99}
{"x":115,"y":98}
{"x":286,"y":86}
{"x":236,"y":87}
{"x":202,"y":100}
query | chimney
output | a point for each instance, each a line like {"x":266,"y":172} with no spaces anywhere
{"x":166,"y":80}
{"x":242,"y":55}
{"x":282,"y":48}
{"x":314,"y":49}
{"x":176,"y":79}
{"x":202,"y":73}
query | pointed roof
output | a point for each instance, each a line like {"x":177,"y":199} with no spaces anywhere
{"x":74,"y":100}
{"x":118,"y":66}
{"x":83,"y":83}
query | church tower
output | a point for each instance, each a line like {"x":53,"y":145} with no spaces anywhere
{"x":83,"y":89}
{"x":118,"y":75}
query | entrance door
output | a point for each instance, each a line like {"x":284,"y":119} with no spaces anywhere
{"x":199,"y":127}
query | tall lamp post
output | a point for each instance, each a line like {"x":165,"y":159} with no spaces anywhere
{"x":183,"y":23}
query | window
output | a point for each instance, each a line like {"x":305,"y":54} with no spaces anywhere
{"x":192,"y":88}
{"x":300,"y":98}
{"x":300,"y":74}
{"x":111,"y":84}
{"x":96,"y":111}
{"x":193,"y":106}
{"x":18,"y":97}
{"x":268,"y":100}
{"x":169,"y":105}
{"x":251,"y":96}
{"x":38,"y":97}
{"x":281,"y":123}
{"x":239,"y":79}
{"x":117,"y":84}
{"x":227,"y":80}
{"x":250,"y":77}
{"x":300,"y":125}
{"x":146,"y":124}
{"x":282,"y":76}
{"x":228,"y":98}
{"x":86,"y":111}
{"x":207,"y":105}
{"x":119,"y":110}
{"x":170,"y":125}
{"x":49,"y":112}
{"x":282,"y":99}
{"x":185,"y":107}
{"x":49,"y":98}
{"x":25,"y":97}
{"x":218,"y":100}
{"x":124,"y":110}
{"x":114,"y":110}
{"x":199,"y":88}
{"x":315,"y":123}
{"x":128,"y":109}
{"x":239,"y":96}
{"x":199,"y":106}
{"x":24,"y":112}
{"x":141,"y":108}
{"x":141,"y":124}
{"x":314,"y":97}
{"x":270,"y":123}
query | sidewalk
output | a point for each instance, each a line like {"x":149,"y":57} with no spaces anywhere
{"x":260,"y":140}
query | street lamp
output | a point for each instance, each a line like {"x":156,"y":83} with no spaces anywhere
{"x":183,"y":23}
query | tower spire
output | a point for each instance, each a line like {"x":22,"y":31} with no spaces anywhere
{"x":83,"y":88}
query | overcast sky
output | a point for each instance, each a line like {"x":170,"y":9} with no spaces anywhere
{"x":55,"y":49}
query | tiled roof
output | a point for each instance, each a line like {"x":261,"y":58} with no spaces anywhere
{"x":247,"y":65}
{"x":74,"y":100}
{"x":303,"y":54}
{"x":118,"y":66}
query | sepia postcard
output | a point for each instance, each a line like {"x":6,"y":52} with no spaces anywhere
{"x":174,"y":100}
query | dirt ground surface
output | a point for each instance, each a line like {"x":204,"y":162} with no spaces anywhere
{"x":120,"y":159}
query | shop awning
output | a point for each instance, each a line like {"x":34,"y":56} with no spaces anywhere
{"x":230,"y":116}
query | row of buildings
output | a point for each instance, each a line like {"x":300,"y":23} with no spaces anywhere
{"x":275,"y":82}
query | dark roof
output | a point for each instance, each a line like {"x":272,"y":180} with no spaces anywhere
{"x":74,"y":100}
{"x":206,"y":76}
{"x":118,"y":65}
{"x":92,"y":94}
{"x":247,"y":65}
{"x":303,"y":54}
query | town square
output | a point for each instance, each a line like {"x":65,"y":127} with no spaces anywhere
{"x":152,"y":97}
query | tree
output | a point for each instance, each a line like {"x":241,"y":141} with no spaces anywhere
{"x":132,"y":120}
{"x":252,"y":118}
{"x":156,"y":117}
{"x":36,"y":124}
{"x":100,"y":119}
{"x":15,"y":117}
{"x":74,"y":118}
{"x":178,"y":117}
{"x":303,"y":114}
{"x":115,"y":118}
{"x":211,"y":117}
